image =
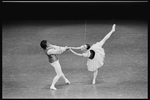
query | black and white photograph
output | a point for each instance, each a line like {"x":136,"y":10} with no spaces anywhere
{"x":74,"y":49}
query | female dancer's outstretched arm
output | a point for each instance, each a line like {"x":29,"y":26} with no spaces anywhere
{"x":76,"y":47}
{"x":83,"y":54}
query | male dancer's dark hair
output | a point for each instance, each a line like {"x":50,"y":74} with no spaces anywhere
{"x":43,"y":44}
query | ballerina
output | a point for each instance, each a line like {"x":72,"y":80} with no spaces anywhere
{"x":94,"y":53}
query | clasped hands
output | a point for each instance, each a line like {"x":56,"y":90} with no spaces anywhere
{"x":69,"y":48}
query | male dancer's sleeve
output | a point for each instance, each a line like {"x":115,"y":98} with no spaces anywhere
{"x":57,"y":50}
{"x":60,"y":48}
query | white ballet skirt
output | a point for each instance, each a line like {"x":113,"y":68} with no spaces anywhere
{"x":97,"y":61}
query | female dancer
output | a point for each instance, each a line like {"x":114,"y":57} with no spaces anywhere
{"x":95,"y":54}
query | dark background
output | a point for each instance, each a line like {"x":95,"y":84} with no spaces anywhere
{"x":66,"y":11}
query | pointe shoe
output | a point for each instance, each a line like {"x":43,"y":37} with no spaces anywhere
{"x":93,"y":82}
{"x":67,"y":82}
{"x":113,"y":27}
{"x":53,"y":88}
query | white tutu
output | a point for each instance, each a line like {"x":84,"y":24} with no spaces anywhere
{"x":97,"y":61}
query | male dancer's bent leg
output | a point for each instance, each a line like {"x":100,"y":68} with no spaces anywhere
{"x":59,"y":73}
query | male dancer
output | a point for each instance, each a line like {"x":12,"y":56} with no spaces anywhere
{"x":51,"y":51}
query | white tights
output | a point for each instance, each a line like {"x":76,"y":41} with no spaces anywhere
{"x":94,"y":76}
{"x":59,"y":73}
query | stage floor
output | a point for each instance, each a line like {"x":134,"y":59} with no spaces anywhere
{"x":28,"y":74}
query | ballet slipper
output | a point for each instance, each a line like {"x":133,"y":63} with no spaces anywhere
{"x":53,"y":88}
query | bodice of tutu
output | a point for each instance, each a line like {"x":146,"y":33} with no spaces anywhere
{"x":98,"y":49}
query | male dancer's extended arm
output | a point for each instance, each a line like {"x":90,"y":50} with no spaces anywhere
{"x":57,"y":50}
